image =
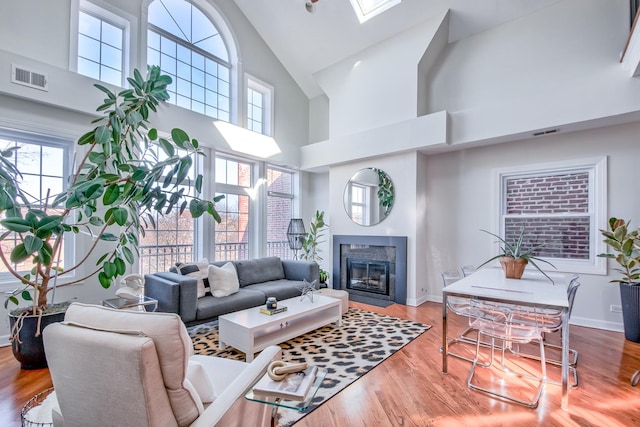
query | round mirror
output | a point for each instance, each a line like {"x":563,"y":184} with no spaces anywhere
{"x":368,"y":196}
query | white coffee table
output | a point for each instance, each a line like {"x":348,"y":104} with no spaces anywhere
{"x":251,"y":331}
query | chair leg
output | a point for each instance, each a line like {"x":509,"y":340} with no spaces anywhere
{"x":573,"y":361}
{"x":530,"y":404}
{"x":464,"y":339}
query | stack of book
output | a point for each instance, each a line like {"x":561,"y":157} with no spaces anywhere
{"x":270,"y":311}
{"x":295,"y":386}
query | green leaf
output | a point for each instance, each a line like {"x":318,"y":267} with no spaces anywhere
{"x":179,"y":137}
{"x":19,"y":254}
{"x":121,"y":266}
{"x":18,"y":225}
{"x":103,"y":135}
{"x":139,"y":174}
{"x":32,"y":244}
{"x":111,"y":194}
{"x":120,"y":215}
{"x":183,"y":169}
{"x":105,"y":90}
{"x":128,"y":255}
{"x":46,"y":253}
{"x":109,"y":237}
{"x":104,"y":280}
{"x":153,"y":134}
{"x":109,"y":269}
{"x":198,"y":184}
{"x":26,"y":296}
{"x":167,"y":147}
{"x":97,"y":158}
{"x":97,"y":221}
{"x":50,"y":222}
{"x":87,"y":138}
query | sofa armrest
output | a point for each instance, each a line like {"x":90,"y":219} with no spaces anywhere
{"x":231,"y":408}
{"x":298,"y":270}
{"x":175,"y":293}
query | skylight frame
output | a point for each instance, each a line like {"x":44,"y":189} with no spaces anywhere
{"x":367,"y":9}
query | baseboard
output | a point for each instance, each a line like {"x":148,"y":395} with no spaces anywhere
{"x":597,"y":324}
{"x":4,"y":341}
{"x":416,"y":302}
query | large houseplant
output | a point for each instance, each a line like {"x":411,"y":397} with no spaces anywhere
{"x":625,"y":250}
{"x":312,"y":239}
{"x":514,"y":258}
{"x":117,"y":183}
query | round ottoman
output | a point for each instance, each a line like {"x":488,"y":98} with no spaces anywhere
{"x":343,"y":296}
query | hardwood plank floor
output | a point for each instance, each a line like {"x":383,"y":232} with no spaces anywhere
{"x":408,"y":389}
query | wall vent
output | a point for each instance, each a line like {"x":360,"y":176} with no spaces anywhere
{"x":23,"y":76}
{"x":545,"y":132}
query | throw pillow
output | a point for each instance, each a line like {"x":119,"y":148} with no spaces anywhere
{"x":223,"y":280}
{"x":201,"y":382}
{"x":199,"y":271}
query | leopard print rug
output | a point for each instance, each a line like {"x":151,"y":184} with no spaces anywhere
{"x":347,"y":352}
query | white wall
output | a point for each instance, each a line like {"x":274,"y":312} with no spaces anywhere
{"x":402,"y":220}
{"x":459,"y":188}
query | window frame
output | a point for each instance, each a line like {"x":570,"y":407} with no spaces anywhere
{"x":7,"y":281}
{"x":267,"y":91}
{"x":114,"y":16}
{"x":597,"y":168}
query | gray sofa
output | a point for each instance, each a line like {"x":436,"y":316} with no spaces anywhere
{"x":259,"y":278}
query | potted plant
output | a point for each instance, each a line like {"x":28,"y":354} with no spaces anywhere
{"x":513,"y":258}
{"x":310,"y":250}
{"x":625,"y":249}
{"x":118,"y":182}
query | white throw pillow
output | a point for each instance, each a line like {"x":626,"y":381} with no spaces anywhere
{"x":223,"y":280}
{"x":199,"y":271}
{"x":200,"y":381}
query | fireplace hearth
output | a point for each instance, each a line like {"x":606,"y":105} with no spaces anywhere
{"x":373,"y":269}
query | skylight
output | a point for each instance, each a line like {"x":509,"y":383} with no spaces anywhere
{"x":367,"y":9}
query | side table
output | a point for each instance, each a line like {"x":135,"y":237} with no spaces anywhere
{"x":144,"y":303}
{"x":278,"y":402}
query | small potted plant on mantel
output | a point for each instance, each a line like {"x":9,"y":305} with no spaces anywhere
{"x":118,"y":182}
{"x":625,"y":249}
{"x":513,"y":258}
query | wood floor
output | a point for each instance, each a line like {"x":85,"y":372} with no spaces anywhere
{"x":408,"y":389}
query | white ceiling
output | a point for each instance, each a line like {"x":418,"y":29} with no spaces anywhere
{"x":308,"y":42}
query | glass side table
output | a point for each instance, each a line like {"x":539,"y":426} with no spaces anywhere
{"x":144,"y":303}
{"x":277,"y":402}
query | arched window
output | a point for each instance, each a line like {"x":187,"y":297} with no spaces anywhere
{"x":187,"y":46}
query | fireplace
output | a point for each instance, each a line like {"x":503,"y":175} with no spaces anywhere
{"x":368,"y":276}
{"x":373,"y":269}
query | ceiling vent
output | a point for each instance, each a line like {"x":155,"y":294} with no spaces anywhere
{"x":546,"y":132}
{"x":23,"y":76}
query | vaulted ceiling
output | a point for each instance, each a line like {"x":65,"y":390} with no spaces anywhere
{"x":309,"y":42}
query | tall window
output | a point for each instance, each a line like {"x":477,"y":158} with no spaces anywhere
{"x":101,"y":45}
{"x":232,"y":235}
{"x":43,"y":162}
{"x":168,"y":238}
{"x":259,"y":106}
{"x":561,"y":207}
{"x":187,"y":46}
{"x":359,"y":201}
{"x":279,"y":211}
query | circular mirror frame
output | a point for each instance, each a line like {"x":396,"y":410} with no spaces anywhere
{"x":369,"y":196}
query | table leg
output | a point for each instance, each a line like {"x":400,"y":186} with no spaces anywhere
{"x":444,"y":333}
{"x":274,"y":414}
{"x":565,"y":359}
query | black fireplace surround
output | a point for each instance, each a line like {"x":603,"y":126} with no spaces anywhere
{"x":371,"y":268}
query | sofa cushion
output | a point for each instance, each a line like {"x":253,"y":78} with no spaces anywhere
{"x":198,"y":270}
{"x":281,"y":289}
{"x":210,"y":306}
{"x":169,"y":336}
{"x":259,"y":270}
{"x":223,"y":281}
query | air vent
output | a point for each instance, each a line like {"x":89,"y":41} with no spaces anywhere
{"x":23,"y":76}
{"x":546,"y":132}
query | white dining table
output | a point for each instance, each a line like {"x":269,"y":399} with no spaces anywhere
{"x":533,"y":289}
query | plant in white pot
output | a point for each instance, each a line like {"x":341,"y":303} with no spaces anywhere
{"x":625,"y":250}
{"x":117,"y":183}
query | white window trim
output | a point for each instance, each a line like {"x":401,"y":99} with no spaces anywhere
{"x":114,"y":16}
{"x":268,"y":108}
{"x":9,"y":283}
{"x":598,"y":185}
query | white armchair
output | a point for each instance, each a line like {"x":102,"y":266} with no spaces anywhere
{"x":115,"y":367}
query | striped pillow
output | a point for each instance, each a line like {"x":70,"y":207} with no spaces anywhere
{"x":199,"y":271}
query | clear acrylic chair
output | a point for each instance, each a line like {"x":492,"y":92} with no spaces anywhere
{"x":551,"y":322}
{"x":459,"y":306}
{"x":495,"y":323}
{"x":467,"y":269}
